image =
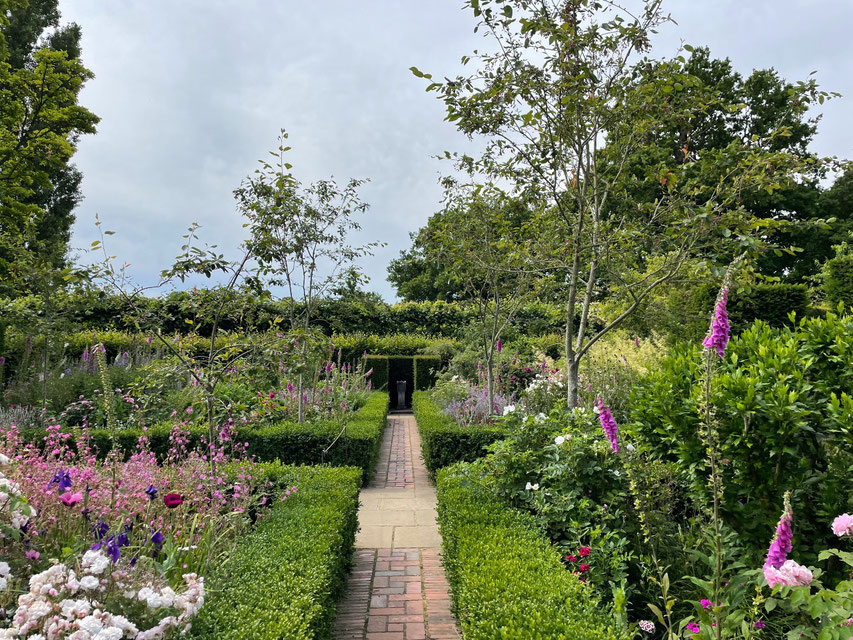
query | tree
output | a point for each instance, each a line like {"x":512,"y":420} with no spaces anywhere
{"x":299,"y":238}
{"x":40,"y":123}
{"x":481,"y":237}
{"x":565,"y":103}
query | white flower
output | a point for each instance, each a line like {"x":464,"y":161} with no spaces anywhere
{"x":89,"y":582}
{"x":4,"y":460}
{"x":509,"y":409}
{"x":559,"y":440}
{"x":95,"y":562}
{"x":534,"y":487}
{"x":4,"y":569}
{"x":630,"y":447}
{"x":540,"y":418}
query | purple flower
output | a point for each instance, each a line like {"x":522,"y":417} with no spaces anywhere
{"x":782,"y":541}
{"x":113,"y":550}
{"x":369,"y":373}
{"x":86,"y":354}
{"x":2,"y":360}
{"x":62,"y":479}
{"x":759,"y":624}
{"x":718,"y":332}
{"x":100,"y":529}
{"x":157,"y":539}
{"x":636,"y":342}
{"x":151,"y":491}
{"x":499,"y":346}
{"x":611,"y":429}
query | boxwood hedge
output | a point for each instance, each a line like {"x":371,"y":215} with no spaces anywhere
{"x":507,"y":580}
{"x":282,"y":580}
{"x":443,"y":440}
{"x":287,"y":441}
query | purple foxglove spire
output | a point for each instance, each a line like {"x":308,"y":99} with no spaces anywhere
{"x":611,"y":429}
{"x":718,"y":333}
{"x":782,"y":541}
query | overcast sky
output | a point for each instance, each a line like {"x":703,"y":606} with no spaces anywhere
{"x":191,"y":93}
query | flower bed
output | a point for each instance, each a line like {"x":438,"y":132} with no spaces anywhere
{"x":283,"y":578}
{"x":288,"y":441}
{"x":507,"y":579}
{"x":444,"y":441}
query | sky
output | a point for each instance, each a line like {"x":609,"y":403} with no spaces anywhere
{"x":192,"y":93}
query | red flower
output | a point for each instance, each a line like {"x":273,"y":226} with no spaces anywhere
{"x":583,"y":568}
{"x":571,"y":558}
{"x":172,"y":500}
{"x":583,"y":552}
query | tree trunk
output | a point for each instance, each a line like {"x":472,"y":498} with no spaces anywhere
{"x":490,"y":382}
{"x":572,"y":383}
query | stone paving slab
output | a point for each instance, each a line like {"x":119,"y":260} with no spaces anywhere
{"x":397,"y":589}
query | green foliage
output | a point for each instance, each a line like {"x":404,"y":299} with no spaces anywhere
{"x":444,"y":441}
{"x":283,"y":579}
{"x":838,"y":280}
{"x":507,"y":579}
{"x":785,"y":419}
{"x":771,"y":303}
{"x":426,"y":369}
{"x":379,"y":377}
{"x":40,"y":123}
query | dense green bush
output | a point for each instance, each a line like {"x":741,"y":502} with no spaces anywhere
{"x":838,"y":280}
{"x":283,"y":579}
{"x":785,"y":420}
{"x":443,"y":440}
{"x":287,"y":441}
{"x":425,"y":370}
{"x":507,"y":580}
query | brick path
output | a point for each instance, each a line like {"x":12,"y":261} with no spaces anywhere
{"x":397,"y":589}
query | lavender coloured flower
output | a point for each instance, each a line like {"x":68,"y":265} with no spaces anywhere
{"x":782,"y":541}
{"x":718,"y":333}
{"x":499,"y":346}
{"x":611,"y":429}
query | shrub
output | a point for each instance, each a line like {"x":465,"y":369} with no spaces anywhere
{"x":283,"y":579}
{"x":507,"y":579}
{"x":425,"y":368}
{"x":785,"y":421}
{"x":838,"y":280}
{"x":443,"y":441}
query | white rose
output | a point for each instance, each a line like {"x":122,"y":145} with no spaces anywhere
{"x":559,"y":440}
{"x":509,"y":409}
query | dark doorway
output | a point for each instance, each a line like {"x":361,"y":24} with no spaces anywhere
{"x":401,"y":370}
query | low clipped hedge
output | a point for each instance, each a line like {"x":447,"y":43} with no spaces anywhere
{"x":507,"y":580}
{"x":289,"y":442}
{"x":283,"y":579}
{"x":443,"y":440}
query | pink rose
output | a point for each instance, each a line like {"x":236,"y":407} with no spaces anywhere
{"x":843,"y":525}
{"x":789,"y":574}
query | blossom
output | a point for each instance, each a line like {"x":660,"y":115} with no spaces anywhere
{"x":70,"y":499}
{"x":611,"y":429}
{"x":172,"y":500}
{"x":61,"y":479}
{"x":499,"y":346}
{"x":759,"y":624}
{"x":692,"y":626}
{"x":843,"y":525}
{"x":508,"y":409}
{"x":534,"y":487}
{"x":571,"y":558}
{"x":583,"y":552}
{"x":789,"y":574}
{"x":583,"y":568}
{"x":559,"y":440}
{"x":705,"y":603}
{"x":151,"y":491}
{"x":718,"y":332}
{"x":647,"y":625}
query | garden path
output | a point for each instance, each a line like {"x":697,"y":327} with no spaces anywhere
{"x":397,"y":589}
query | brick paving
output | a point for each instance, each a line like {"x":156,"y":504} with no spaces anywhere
{"x":397,"y":589}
